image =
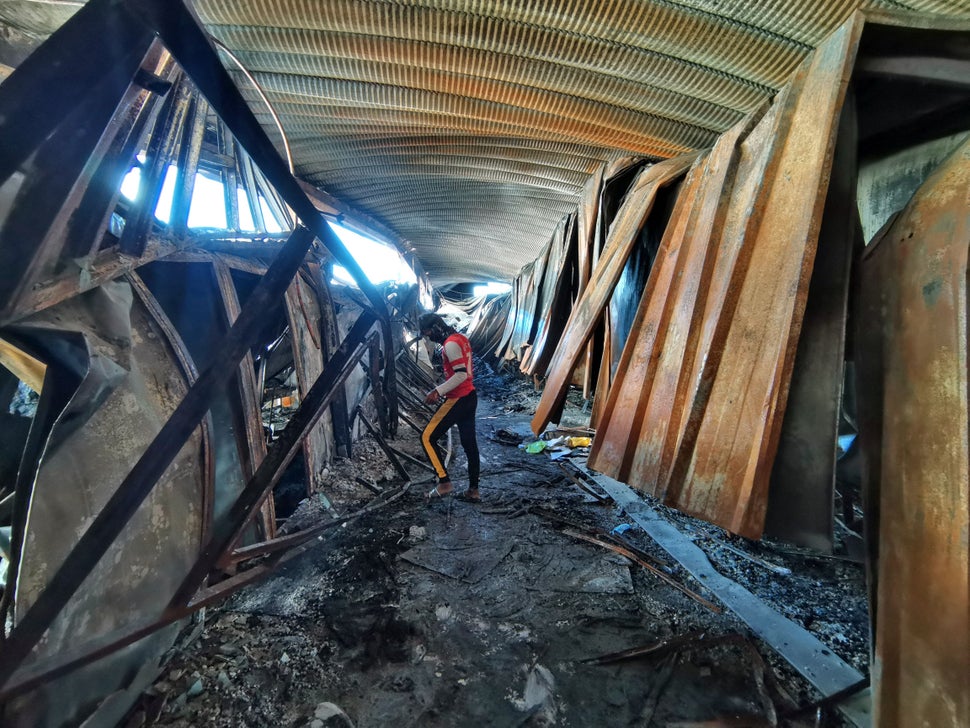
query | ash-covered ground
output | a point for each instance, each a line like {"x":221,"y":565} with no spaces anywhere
{"x":490,"y":614}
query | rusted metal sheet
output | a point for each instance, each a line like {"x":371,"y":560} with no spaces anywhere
{"x":665,"y":336}
{"x":589,"y":308}
{"x":801,"y":498}
{"x":558,"y":304}
{"x":614,"y":190}
{"x":588,"y":224}
{"x":616,"y":435}
{"x":624,"y":302}
{"x":678,"y":331}
{"x":131,"y":379}
{"x":730,"y":263}
{"x":586,"y":227}
{"x":915,"y":290}
{"x":726,"y":479}
{"x":303,"y":314}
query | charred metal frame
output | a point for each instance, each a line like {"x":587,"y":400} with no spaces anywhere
{"x":92,"y":88}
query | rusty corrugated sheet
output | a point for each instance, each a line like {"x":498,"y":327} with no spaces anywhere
{"x":801,"y":502}
{"x":616,"y":436}
{"x":589,"y":308}
{"x":645,"y":406}
{"x":728,"y":464}
{"x":915,"y":293}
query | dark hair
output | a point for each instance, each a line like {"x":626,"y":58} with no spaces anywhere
{"x":434,"y":327}
{"x":430,"y":322}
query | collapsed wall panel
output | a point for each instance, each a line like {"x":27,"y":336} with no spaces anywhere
{"x":130,"y":381}
{"x":588,"y":310}
{"x":914,"y":380}
{"x":727,"y":466}
{"x":645,"y":404}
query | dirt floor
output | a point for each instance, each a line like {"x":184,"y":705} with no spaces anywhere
{"x":490,"y":614}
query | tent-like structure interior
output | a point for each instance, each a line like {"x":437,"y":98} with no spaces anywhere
{"x":732,"y":243}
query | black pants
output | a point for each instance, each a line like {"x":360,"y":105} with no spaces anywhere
{"x":461,"y":412}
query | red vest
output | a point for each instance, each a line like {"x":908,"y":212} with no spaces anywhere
{"x":449,"y":366}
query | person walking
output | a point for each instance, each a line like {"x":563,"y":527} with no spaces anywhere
{"x":457,"y":401}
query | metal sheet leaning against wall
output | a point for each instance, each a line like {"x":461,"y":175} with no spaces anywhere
{"x":589,"y":308}
{"x":915,"y":290}
{"x":651,"y":380}
{"x":727,"y":478}
{"x":664,"y":392}
{"x":622,"y":412}
{"x":801,"y":499}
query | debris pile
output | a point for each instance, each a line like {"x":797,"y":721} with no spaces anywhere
{"x":544,"y":605}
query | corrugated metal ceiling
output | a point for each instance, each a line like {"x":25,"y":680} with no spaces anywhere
{"x":469,"y":127}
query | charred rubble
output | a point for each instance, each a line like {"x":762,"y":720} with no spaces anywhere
{"x":723,"y":409}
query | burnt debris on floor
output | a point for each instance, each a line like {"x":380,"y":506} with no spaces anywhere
{"x":543,"y":605}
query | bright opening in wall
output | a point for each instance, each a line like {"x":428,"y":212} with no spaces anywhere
{"x":208,"y":206}
{"x":490,"y":289}
{"x":381,"y":263}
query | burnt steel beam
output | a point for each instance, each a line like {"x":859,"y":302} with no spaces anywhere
{"x":30,"y":112}
{"x":45,"y":670}
{"x":142,"y":478}
{"x":190,"y":45}
{"x":319,"y":396}
{"x":45,"y":174}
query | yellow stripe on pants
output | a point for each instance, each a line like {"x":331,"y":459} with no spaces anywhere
{"x":439,"y":467}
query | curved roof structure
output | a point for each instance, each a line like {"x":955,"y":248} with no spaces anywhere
{"x":468,"y":127}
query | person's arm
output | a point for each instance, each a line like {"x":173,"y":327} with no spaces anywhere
{"x":453,"y":352}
